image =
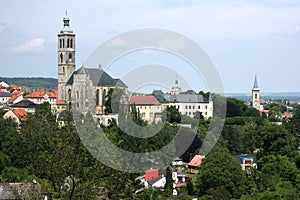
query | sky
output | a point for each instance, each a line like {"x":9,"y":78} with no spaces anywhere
{"x":242,"y":38}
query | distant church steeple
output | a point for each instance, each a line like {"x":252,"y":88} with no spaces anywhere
{"x":255,"y":95}
{"x":66,"y":56}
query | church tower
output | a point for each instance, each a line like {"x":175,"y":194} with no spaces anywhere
{"x":255,"y":95}
{"x":66,"y":56}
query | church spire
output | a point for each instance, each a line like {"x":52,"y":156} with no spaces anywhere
{"x":66,"y":22}
{"x":255,"y":86}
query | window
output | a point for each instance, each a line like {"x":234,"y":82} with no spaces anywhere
{"x":77,"y":104}
{"x":70,"y":55}
{"x":68,"y":43}
{"x":189,"y":113}
{"x":178,"y":106}
{"x":255,"y":96}
{"x":205,"y":107}
{"x":186,"y":107}
{"x":77,"y":94}
{"x":205,"y":113}
{"x":97,"y":97}
{"x":61,"y":57}
{"x":64,"y":70}
{"x":199,"y":107}
{"x":71,"y":43}
{"x":60,"y":43}
{"x":189,"y":107}
{"x":103,"y":97}
{"x":69,"y":94}
{"x":63,"y":43}
{"x":193,"y":107}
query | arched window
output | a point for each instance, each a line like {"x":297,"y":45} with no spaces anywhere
{"x":71,"y":45}
{"x":61,"y":58}
{"x":59,"y":43}
{"x":69,"y":95}
{"x":64,"y":70}
{"x":63,"y":43}
{"x":97,"y":97}
{"x":255,"y":96}
{"x":68,"y":43}
{"x":103,"y":97}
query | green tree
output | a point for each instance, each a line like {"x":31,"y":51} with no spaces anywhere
{"x":220,"y":175}
{"x":276,"y":140}
{"x":173,"y":115}
{"x":169,"y":180}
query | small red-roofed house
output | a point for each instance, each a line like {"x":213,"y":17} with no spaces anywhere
{"x":40,"y":96}
{"x":18,"y":115}
{"x":148,"y":106}
{"x":155,"y":178}
{"x":195,"y":163}
{"x":15,"y":99}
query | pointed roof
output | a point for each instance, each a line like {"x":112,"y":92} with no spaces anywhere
{"x":98,"y":77}
{"x":255,"y":86}
{"x":81,"y":70}
{"x":66,"y":28}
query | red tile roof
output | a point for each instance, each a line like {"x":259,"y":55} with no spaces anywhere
{"x":13,"y":98}
{"x":60,"y":102}
{"x":20,"y":113}
{"x":41,"y":93}
{"x":150,"y":174}
{"x":143,"y":100}
{"x":196,"y":161}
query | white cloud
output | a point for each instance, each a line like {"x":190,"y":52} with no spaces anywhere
{"x":117,"y":42}
{"x":172,"y":44}
{"x":33,"y":45}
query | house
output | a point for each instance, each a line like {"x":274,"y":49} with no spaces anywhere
{"x":18,"y":115}
{"x":195,"y":163}
{"x":51,"y":96}
{"x":246,"y":161}
{"x":4,"y":97}
{"x":15,"y":99}
{"x":148,"y":106}
{"x":3,"y":84}
{"x":155,"y":178}
{"x":29,"y":106}
{"x":188,"y":103}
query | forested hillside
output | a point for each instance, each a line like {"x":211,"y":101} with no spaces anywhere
{"x":31,"y":83}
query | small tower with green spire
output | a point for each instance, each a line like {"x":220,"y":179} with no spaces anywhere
{"x":255,"y":95}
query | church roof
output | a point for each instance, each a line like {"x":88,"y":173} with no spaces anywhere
{"x":98,"y":76}
{"x":255,"y":85}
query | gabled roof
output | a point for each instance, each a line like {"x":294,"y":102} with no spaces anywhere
{"x":13,"y":98}
{"x":154,"y":173}
{"x":196,"y":161}
{"x":188,"y":96}
{"x":20,"y":113}
{"x":5,"y":94}
{"x":24,"y":104}
{"x":143,"y":100}
{"x":41,"y":93}
{"x":98,"y":77}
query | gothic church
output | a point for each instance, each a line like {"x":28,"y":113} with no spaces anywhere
{"x":84,"y":89}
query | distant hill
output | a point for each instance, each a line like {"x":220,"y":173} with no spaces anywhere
{"x":32,"y":83}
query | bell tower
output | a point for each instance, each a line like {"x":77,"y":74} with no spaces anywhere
{"x":66,"y":57}
{"x":255,"y":95}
